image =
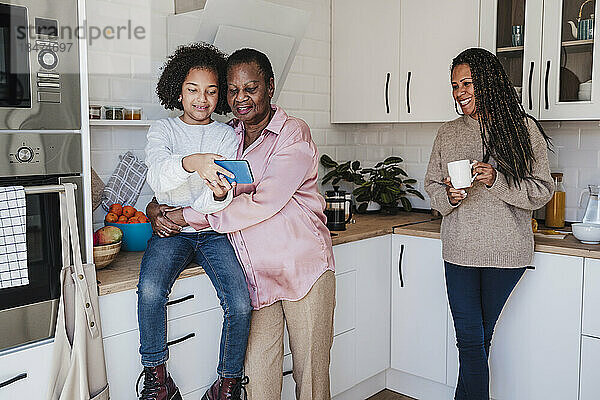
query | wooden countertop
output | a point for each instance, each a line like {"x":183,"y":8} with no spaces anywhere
{"x":122,"y":274}
{"x":568,"y":246}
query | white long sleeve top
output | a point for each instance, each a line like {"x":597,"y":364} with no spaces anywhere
{"x":169,"y":141}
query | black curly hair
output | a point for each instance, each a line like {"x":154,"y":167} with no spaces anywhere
{"x":186,"y":58}
{"x":501,"y":115}
{"x":247,"y":56}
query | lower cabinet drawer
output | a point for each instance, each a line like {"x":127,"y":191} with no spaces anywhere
{"x":118,"y":311}
{"x":25,"y":374}
{"x":194,"y":349}
{"x":590,"y":360}
{"x":193,"y":355}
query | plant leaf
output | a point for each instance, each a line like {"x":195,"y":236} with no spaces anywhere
{"x":355,"y":165}
{"x":362,"y":208}
{"x":327,"y":162}
{"x":411,"y":181}
{"x":328,"y":176}
{"x":406,"y":204}
{"x":392,"y":160}
{"x":416,"y":193}
{"x":379,"y":164}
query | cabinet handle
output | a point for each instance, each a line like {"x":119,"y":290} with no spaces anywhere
{"x":530,"y":267}
{"x":546,"y":83}
{"x":529,"y":84}
{"x":181,"y":339}
{"x":408,"y":92}
{"x":13,"y":380}
{"x":387,"y":93}
{"x":400,"y":265}
{"x":287,"y":372}
{"x":180,"y":300}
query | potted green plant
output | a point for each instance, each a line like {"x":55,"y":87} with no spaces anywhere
{"x":348,"y":171}
{"x":384,"y":186}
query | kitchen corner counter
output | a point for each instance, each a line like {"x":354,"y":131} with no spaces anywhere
{"x":122,"y":274}
{"x":569,"y":246}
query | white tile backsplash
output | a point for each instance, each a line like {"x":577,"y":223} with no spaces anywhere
{"x":305,"y":94}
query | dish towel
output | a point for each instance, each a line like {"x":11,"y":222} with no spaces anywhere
{"x":126,"y":182}
{"x":13,"y":239}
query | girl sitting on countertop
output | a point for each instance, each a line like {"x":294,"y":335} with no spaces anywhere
{"x":192,"y":80}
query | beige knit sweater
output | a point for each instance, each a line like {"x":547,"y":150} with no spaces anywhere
{"x":491,"y":227}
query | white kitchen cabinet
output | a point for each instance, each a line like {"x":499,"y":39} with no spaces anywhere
{"x":419,"y":308}
{"x":551,"y":64}
{"x":536,"y":343}
{"x":590,"y":360}
{"x":342,"y":369}
{"x":591,"y":298}
{"x":433,"y":32}
{"x":390,"y":58}
{"x":522,"y":63}
{"x":29,"y":372}
{"x":365,"y":50}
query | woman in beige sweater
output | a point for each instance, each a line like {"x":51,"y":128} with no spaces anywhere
{"x":486,"y":228}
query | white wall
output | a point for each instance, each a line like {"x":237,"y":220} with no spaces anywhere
{"x":305,"y":94}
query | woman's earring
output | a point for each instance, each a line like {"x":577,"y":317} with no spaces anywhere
{"x":179,"y":99}
{"x":456,"y":108}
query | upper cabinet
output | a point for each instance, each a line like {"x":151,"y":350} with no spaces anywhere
{"x":552,"y":68}
{"x":391,"y":58}
{"x":365,"y":53}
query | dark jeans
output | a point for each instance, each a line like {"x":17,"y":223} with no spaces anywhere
{"x":163,"y":261}
{"x":476,"y":296}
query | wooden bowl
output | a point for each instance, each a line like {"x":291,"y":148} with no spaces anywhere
{"x":105,"y":254}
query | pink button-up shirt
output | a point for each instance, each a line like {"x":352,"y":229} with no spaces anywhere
{"x":277,"y":224}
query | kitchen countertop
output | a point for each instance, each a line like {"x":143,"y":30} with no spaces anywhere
{"x":568,"y":246}
{"x":122,"y":274}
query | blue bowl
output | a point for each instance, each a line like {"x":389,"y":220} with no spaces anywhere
{"x":135,"y":236}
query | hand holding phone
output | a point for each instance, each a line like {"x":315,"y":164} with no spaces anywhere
{"x":240,"y":168}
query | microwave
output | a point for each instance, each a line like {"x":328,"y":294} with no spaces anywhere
{"x":39,"y":65}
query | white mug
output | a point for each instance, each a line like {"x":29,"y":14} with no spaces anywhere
{"x":461,"y":174}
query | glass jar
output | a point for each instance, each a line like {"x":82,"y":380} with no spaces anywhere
{"x":555,"y":209}
{"x":113,"y":112}
{"x":95,"y":111}
{"x":132,"y":113}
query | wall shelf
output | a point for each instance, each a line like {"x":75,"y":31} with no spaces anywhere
{"x":107,"y":122}
{"x":509,"y":49}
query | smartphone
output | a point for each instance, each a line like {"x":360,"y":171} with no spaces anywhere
{"x":240,"y":168}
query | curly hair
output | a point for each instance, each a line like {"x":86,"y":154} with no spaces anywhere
{"x":180,"y":63}
{"x":501,"y":115}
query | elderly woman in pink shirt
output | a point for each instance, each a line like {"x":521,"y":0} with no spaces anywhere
{"x":277,"y":228}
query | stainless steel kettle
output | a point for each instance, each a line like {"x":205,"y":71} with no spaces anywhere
{"x":592,"y":210}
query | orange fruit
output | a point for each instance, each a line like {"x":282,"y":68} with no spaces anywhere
{"x":122,"y":219}
{"x":111,"y":217}
{"x":132,"y":220}
{"x":142,"y":219}
{"x":129,"y":211}
{"x":139,"y":214}
{"x":117,"y":209}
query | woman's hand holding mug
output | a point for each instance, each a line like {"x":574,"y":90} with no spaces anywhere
{"x":455,"y":196}
{"x":484,"y":173}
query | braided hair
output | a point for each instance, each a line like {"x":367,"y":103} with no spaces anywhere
{"x":501,"y":116}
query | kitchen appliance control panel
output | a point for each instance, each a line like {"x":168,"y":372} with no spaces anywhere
{"x":25,"y":153}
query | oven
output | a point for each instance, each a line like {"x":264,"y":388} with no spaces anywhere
{"x":41,"y":163}
{"x":39,"y":65}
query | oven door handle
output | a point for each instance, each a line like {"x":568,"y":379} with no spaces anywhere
{"x":46,"y":189}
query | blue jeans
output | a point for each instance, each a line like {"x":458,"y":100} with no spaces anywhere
{"x":476,"y":296}
{"x":163,"y":261}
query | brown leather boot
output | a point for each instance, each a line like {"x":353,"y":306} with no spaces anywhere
{"x":158,"y":384}
{"x":227,"y":389}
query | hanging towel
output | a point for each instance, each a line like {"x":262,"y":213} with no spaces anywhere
{"x":125,"y":184}
{"x":13,"y":240}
